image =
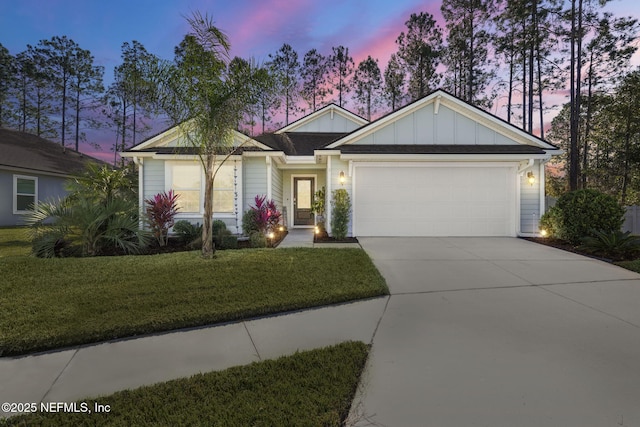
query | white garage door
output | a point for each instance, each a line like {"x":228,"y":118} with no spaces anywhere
{"x":434,"y":200}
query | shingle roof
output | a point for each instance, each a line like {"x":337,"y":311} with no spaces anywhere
{"x":439,"y":149}
{"x":299,"y":143}
{"x":27,"y":151}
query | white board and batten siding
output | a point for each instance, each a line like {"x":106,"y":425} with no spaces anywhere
{"x":329,"y":123}
{"x":423,"y":126}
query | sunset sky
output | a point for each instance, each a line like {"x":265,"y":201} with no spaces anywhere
{"x":255,"y":28}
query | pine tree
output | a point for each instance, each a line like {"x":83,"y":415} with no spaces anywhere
{"x":284,"y":64}
{"x":368,"y":84}
{"x":341,"y":65}
{"x":420,"y":50}
{"x":314,"y":72}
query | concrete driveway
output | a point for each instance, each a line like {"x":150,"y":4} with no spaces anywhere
{"x":501,"y":332}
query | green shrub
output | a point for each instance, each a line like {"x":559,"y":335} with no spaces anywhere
{"x":250,"y":222}
{"x":614,"y":244}
{"x":549,"y":221}
{"x":581,"y":212}
{"x":341,"y":209}
{"x":187,"y":232}
{"x":228,"y":241}
{"x":258,"y":240}
{"x":218,"y":225}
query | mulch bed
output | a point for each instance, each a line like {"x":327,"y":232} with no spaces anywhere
{"x":327,"y":239}
{"x":561,"y":244}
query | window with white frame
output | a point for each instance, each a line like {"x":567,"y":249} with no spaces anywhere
{"x":25,"y":193}
{"x":185,"y":179}
{"x":224,"y":190}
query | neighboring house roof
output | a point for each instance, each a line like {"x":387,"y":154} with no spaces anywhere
{"x":299,"y":143}
{"x":21,"y":150}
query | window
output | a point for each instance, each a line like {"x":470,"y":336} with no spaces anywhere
{"x":224,"y":190}
{"x":186,"y":182}
{"x":25,"y":193}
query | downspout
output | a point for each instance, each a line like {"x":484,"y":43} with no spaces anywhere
{"x":327,"y":195}
{"x":138,"y":161}
{"x":269,"y":178}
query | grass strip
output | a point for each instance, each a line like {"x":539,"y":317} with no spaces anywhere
{"x":630,"y":265}
{"x":312,"y":388}
{"x":53,"y":303}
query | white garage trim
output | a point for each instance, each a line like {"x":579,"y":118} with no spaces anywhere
{"x":404,"y":220}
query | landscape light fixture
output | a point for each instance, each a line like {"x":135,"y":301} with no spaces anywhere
{"x":342,"y":178}
{"x":531,"y":178}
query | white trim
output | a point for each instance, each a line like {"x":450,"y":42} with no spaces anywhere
{"x":456,"y":105}
{"x":432,"y":158}
{"x":173,"y":133}
{"x":327,"y":194}
{"x":331,"y":108}
{"x":140,"y":163}
{"x":313,"y":191}
{"x":269,"y":178}
{"x":15,"y":194}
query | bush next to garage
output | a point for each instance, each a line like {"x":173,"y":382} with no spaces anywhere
{"x":341,"y":209}
{"x":579,"y":214}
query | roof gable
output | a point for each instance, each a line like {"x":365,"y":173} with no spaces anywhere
{"x":440,"y":119}
{"x":174,"y":137}
{"x":21,"y":150}
{"x":331,"y":119}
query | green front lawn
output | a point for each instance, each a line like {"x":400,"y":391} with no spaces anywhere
{"x":53,"y":303}
{"x":313,"y":388}
{"x":13,"y":242}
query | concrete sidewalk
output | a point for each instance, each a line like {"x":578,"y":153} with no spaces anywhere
{"x":96,"y":370}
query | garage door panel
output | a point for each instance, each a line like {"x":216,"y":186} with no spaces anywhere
{"x":434,"y":201}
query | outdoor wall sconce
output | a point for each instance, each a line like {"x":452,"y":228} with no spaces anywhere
{"x":531,"y":178}
{"x":342,"y":178}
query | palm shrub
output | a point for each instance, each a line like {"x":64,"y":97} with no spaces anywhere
{"x":97,"y":227}
{"x":161,"y":212}
{"x":341,"y":209}
{"x":614,"y":244}
{"x":100,"y":214}
{"x":581,"y":212}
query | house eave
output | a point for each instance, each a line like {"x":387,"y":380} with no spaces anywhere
{"x":441,"y":157}
{"x":33,"y":171}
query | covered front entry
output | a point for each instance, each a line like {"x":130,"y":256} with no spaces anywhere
{"x":303,"y":189}
{"x":435,"y":199}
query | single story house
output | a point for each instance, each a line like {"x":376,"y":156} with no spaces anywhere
{"x":33,"y":169}
{"x":436,"y":167}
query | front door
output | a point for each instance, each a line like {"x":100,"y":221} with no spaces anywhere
{"x":302,"y":197}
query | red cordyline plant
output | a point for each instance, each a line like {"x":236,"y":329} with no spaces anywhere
{"x":161,"y":212}
{"x":267,"y":215}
